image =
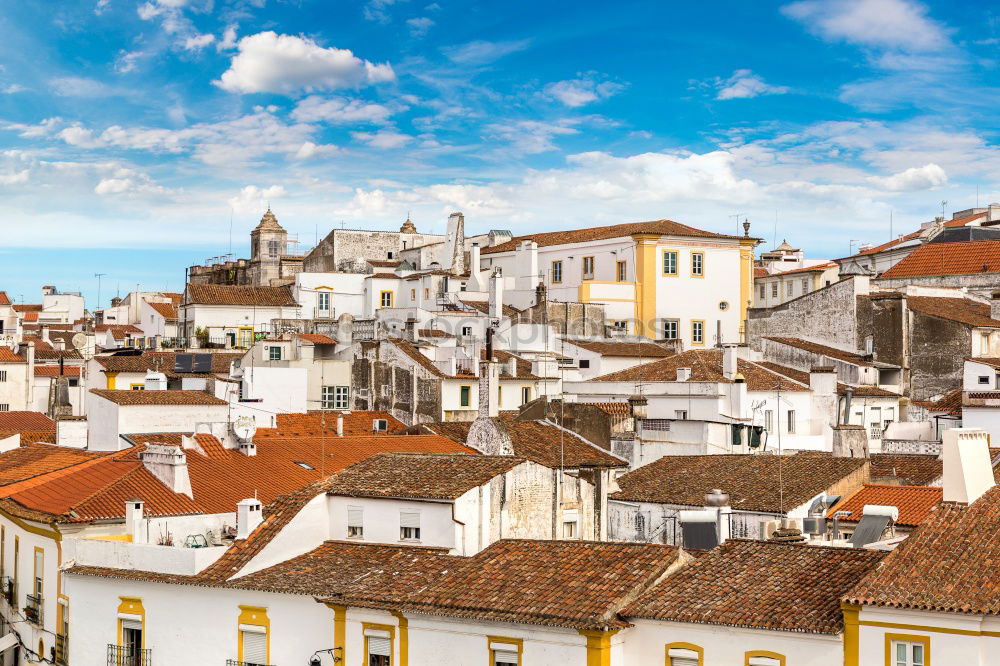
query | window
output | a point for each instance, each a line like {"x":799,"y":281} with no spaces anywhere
{"x":557,"y":271}
{"x":462,"y":287}
{"x":272,"y":249}
{"x":3,"y":375}
{"x":588,"y":268}
{"x":789,"y":288}
{"x":791,"y":421}
{"x":525,"y":395}
{"x":380,"y":425}
{"x":4,"y":407}
{"x":670,"y":263}
{"x":465,"y":396}
{"x":378,"y":646}
{"x":427,"y":292}
{"x":906,"y":653}
{"x":762,"y":293}
{"x":274,"y":353}
{"x":355,"y":522}
{"x":335,"y":397}
{"x":774,"y":290}
{"x":39,"y":571}
{"x":698,"y":264}
{"x":805,"y":287}
{"x":409,"y":525}
{"x":621,"y":271}
{"x":670,"y":329}
{"x":389,"y":255}
{"x":768,"y":418}
{"x":385,"y":299}
{"x":569,"y":529}
{"x":681,"y":414}
{"x":584,"y":363}
{"x":323,"y":301}
{"x":984,"y":379}
{"x":254,"y":644}
{"x":723,"y":305}
{"x":697,"y":332}
{"x":466,"y":330}
{"x":503,"y":653}
{"x":413,"y":294}
{"x":684,"y":654}
{"x":620,"y":325}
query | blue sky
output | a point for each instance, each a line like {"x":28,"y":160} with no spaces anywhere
{"x":133,"y":132}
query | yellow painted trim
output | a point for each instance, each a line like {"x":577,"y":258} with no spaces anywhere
{"x":109,"y":378}
{"x":255,"y":616}
{"x":131,"y":606}
{"x":762,"y":653}
{"x":378,"y":627}
{"x":392,"y":298}
{"x":553,"y":274}
{"x":404,"y":638}
{"x":598,"y":646}
{"x":852,"y":634}
{"x":702,"y":343}
{"x":908,"y":638}
{"x":746,"y":281}
{"x":339,"y":631}
{"x":17,"y":570}
{"x":53,"y":534}
{"x":131,"y":387}
{"x":684,"y":646}
{"x":691,"y":262}
{"x":323,"y":286}
{"x":123,"y":538}
{"x":519,"y":642}
{"x":930,"y":629}
{"x":645,"y":283}
{"x":677,"y":262}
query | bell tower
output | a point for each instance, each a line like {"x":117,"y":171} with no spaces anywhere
{"x":268,"y":242}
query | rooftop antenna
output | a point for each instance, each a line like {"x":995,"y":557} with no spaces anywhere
{"x":230,"y":231}
{"x":98,"y":276}
{"x":736,"y":221}
{"x":943,"y":204}
{"x":890,"y":225}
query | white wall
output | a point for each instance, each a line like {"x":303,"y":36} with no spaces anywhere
{"x":381,"y":520}
{"x":107,"y":420}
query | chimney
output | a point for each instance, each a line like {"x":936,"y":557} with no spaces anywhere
{"x":993,"y":214}
{"x":340,"y":424}
{"x":729,"y":361}
{"x":823,"y":380}
{"x":683,"y":374}
{"x":968,"y":472}
{"x":45,"y":333}
{"x":155,"y":381}
{"x":134,"y":525}
{"x":474,"y":260}
{"x":454,"y":248}
{"x":168,"y":463}
{"x":512,"y":366}
{"x":496,"y":294}
{"x":249,"y":515}
{"x":850,"y":441}
{"x":248,"y":447}
{"x":30,"y":384}
{"x":489,"y":383}
{"x":411,"y":329}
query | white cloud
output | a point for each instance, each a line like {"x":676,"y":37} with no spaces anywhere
{"x":385,"y":139}
{"x":376,"y":10}
{"x":127,"y":61}
{"x":228,"y":40}
{"x":268,"y":62}
{"x":896,"y":24}
{"x":127,"y":181}
{"x":419,"y":26}
{"x":583,"y":90}
{"x":12,"y":88}
{"x":481,"y":52}
{"x":198,"y":42}
{"x":744,"y":84}
{"x":255,"y":200}
{"x":309,"y":150}
{"x":913,"y":179}
{"x":532,"y":136}
{"x":77,"y":135}
{"x":101,"y":6}
{"x":78,"y":86}
{"x":15,"y":178}
{"x":339,"y":111}
{"x":43,"y":128}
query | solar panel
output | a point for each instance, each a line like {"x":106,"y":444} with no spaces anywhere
{"x":869,"y":530}
{"x":699,"y":534}
{"x":201,"y":363}
{"x":183,"y":362}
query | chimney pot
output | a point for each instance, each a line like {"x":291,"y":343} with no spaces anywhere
{"x":249,"y":514}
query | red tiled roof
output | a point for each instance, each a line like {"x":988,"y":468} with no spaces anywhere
{"x":950,"y":403}
{"x":706,"y":366}
{"x":323,"y":423}
{"x":616,"y":348}
{"x":963,"y":221}
{"x":217,"y":294}
{"x":433,"y":333}
{"x":963,"y":310}
{"x":161,"y":361}
{"x":132,"y":398}
{"x":32,"y":460}
{"x":53,"y":370}
{"x":661,"y":227}
{"x":760,"y":585}
{"x":750,"y":480}
{"x":25,"y":420}
{"x":915,"y":503}
{"x":947,"y":565}
{"x":7,"y":355}
{"x":808,"y":269}
{"x":907,"y":468}
{"x":4,"y":300}
{"x":962,"y":258}
{"x":421,"y":475}
{"x":484,"y":307}
{"x":118,"y":331}
{"x":891,"y":244}
{"x":578,"y":584}
{"x":803,"y":378}
{"x":167,"y":310}
{"x":28,"y":307}
{"x":316,"y":338}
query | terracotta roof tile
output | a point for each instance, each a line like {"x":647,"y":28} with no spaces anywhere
{"x":802,"y":377}
{"x":56,"y":354}
{"x":53,"y":370}
{"x":316,"y":338}
{"x":417,"y":356}
{"x":118,"y":331}
{"x":32,"y":460}
{"x":962,"y":258}
{"x":806,"y":269}
{"x":4,"y":299}
{"x":166,"y":310}
{"x":915,"y":503}
{"x":825,"y":350}
{"x":217,"y":294}
{"x":422,"y":475}
{"x":906,"y":468}
{"x":7,"y":355}
{"x":751,"y":480}
{"x":761,"y":585}
{"x":161,"y":361}
{"x":484,"y":307}
{"x":662,"y":227}
{"x":950,"y":403}
{"x":324,"y":423}
{"x":615,"y":348}
{"x":27,"y":307}
{"x":158,"y":397}
{"x":433,"y":333}
{"x":578,"y":584}
{"x":962,"y":310}
{"x":706,"y":366}
{"x":948,"y":564}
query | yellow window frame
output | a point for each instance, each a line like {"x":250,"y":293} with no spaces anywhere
{"x":890,"y":638}
{"x":381,"y":298}
{"x":763,"y":653}
{"x":683,"y":646}
{"x":701,"y":272}
{"x":504,"y":640}
{"x":663,"y":263}
{"x":131,"y":606}
{"x":694,"y":342}
{"x":250,"y":616}
{"x":371,"y":626}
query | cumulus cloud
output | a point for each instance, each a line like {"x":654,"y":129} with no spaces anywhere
{"x":582,"y":90}
{"x":198,"y":42}
{"x":253,"y":199}
{"x":309,"y":150}
{"x":419,"y":26}
{"x":12,"y":88}
{"x":385,"y":139}
{"x":913,"y":179}
{"x":339,"y":111}
{"x":896,"y":24}
{"x":77,"y":135}
{"x":125,"y":181}
{"x":228,"y":40}
{"x":268,"y":62}
{"x":744,"y":84}
{"x":482,"y":52}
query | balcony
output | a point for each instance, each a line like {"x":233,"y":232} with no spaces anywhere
{"x":33,"y":609}
{"x":62,"y":649}
{"x":125,"y":655}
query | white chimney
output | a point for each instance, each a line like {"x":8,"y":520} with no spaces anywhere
{"x":155,"y":381}
{"x":340,"y":424}
{"x":249,"y":514}
{"x":168,"y":463}
{"x":496,"y":294}
{"x":995,"y":305}
{"x":968,"y":472}
{"x":729,"y":361}
{"x":454,"y":244}
{"x":248,"y":447}
{"x":512,"y":366}
{"x":45,"y":333}
{"x":994,"y":213}
{"x":823,"y":380}
{"x":134,"y":524}
{"x":474,"y":259}
{"x":683,"y":374}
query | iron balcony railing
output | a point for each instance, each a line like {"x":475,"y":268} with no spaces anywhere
{"x":62,"y":649}
{"x":124,"y":655}
{"x":33,"y":609}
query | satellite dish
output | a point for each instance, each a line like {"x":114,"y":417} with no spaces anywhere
{"x":79,"y":341}
{"x":245,"y":428}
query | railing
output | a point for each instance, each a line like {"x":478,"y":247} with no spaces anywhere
{"x":124,"y":655}
{"x":233,"y":662}
{"x":62,"y":649}
{"x":875,"y":432}
{"x":364,"y":329}
{"x":662,"y":425}
{"x":33,"y":609}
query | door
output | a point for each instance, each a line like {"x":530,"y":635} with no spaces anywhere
{"x":246,"y":338}
{"x":132,"y":643}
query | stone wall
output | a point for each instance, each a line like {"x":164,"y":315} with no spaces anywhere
{"x":938,"y":348}
{"x":567,"y":318}
{"x":826,"y":316}
{"x":394,"y":383}
{"x":341,"y":248}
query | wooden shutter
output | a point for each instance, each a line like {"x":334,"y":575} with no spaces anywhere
{"x":254,"y":647}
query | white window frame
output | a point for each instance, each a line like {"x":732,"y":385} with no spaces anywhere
{"x":671,"y":329}
{"x":323,"y":301}
{"x":274,"y":353}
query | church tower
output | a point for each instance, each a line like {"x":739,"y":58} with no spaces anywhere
{"x":268,"y":242}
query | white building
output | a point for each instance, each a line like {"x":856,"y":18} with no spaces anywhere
{"x":233,"y":316}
